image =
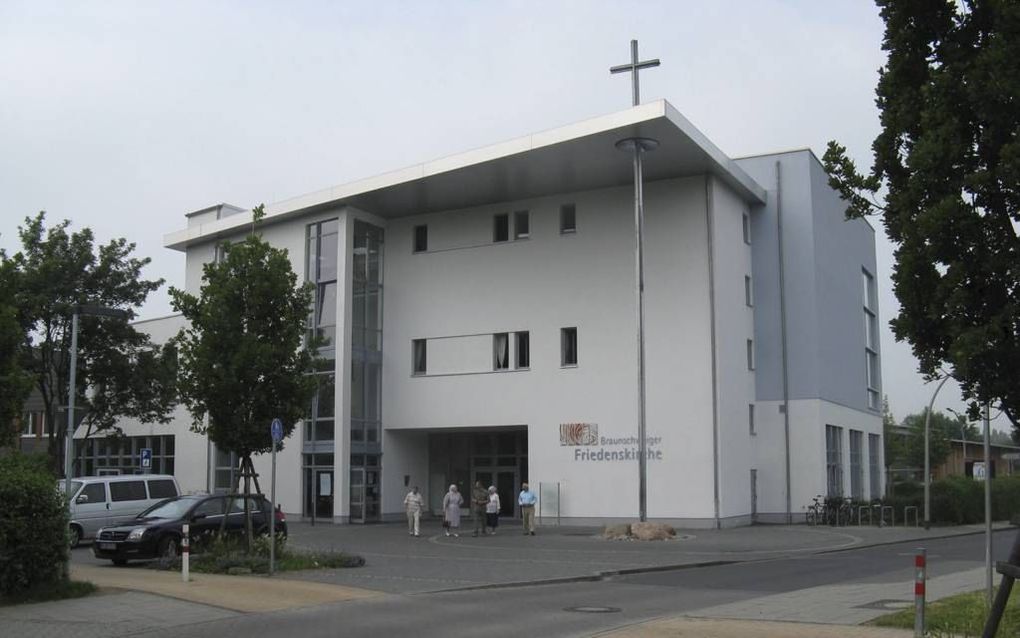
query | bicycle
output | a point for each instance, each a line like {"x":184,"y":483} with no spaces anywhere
{"x":816,"y":512}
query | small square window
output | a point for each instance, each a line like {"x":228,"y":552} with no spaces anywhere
{"x":418,"y":355}
{"x":521,"y":226}
{"x":750,"y":354}
{"x":523,"y":349}
{"x":750,"y":419}
{"x":747,"y":228}
{"x":421,"y":238}
{"x":501,"y":227}
{"x":568,"y":219}
{"x":501,"y":351}
{"x":748,"y":291}
{"x":568,"y":347}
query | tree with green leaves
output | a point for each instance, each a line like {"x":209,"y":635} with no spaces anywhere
{"x":948,"y":163}
{"x":121,"y":373}
{"x":242,"y":363}
{"x":15,"y":381}
{"x":942,"y":429}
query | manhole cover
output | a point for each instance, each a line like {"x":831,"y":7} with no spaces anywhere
{"x":890,"y":604}
{"x":594,"y":610}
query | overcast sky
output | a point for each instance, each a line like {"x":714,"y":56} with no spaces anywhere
{"x":123,"y":116}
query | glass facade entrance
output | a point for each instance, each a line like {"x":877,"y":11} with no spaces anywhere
{"x":497,"y":458}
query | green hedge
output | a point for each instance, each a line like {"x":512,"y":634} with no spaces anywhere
{"x":33,"y":527}
{"x":959,"y":500}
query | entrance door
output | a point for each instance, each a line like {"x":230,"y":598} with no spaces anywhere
{"x":322,"y":488}
{"x":506,"y":487}
{"x":357,"y":495}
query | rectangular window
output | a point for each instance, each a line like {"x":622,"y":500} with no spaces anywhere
{"x":501,"y":227}
{"x":750,"y":354}
{"x":127,"y":491}
{"x":568,"y":347}
{"x":521,"y":225}
{"x":421,"y":238}
{"x":162,"y":488}
{"x":568,"y":219}
{"x":856,"y":465}
{"x":875,"y":465}
{"x":523,"y":348}
{"x":750,"y":419}
{"x":501,"y":351}
{"x":748,"y":291}
{"x":747,"y":228}
{"x":418,"y":354}
{"x":834,"y":460}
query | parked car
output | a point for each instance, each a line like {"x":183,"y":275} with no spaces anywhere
{"x":101,"y":501}
{"x":157,"y":532}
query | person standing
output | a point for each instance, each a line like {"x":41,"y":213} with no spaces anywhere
{"x":413,"y":506}
{"x":527,"y":500}
{"x":451,"y":511}
{"x":492,"y":510}
{"x":479,"y":498}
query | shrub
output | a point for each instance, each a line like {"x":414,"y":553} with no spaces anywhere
{"x":33,"y":527}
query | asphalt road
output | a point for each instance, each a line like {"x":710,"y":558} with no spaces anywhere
{"x":545,"y":610}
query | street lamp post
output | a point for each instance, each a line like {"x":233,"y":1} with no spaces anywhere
{"x":927,"y":454}
{"x":78,"y":310}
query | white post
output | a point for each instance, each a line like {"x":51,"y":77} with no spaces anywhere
{"x":988,"y":510}
{"x":72,"y":382}
{"x":185,"y":553}
{"x":920,"y":576}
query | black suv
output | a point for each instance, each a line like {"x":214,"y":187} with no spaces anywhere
{"x":157,"y":532}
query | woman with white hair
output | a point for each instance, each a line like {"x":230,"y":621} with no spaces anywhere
{"x":492,"y":510}
{"x":451,"y":511}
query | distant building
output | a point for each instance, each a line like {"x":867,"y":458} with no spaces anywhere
{"x":964,"y":454}
{"x":480,"y":312}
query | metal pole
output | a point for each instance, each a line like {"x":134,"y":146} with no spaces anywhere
{"x":186,"y":553}
{"x":783,"y":336}
{"x":920,"y":576}
{"x":69,"y":434}
{"x":272,"y":516}
{"x":927,"y":455}
{"x":639,"y":225}
{"x":988,"y":510}
{"x":635,"y":91}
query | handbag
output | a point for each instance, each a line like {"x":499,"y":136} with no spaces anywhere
{"x":446,"y":524}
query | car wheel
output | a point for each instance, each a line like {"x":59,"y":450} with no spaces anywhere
{"x":74,"y":536}
{"x":167,"y":548}
{"x":119,"y":562}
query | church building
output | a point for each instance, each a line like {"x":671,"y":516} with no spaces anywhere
{"x":480,"y":313}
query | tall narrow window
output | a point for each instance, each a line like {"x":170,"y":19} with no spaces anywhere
{"x":750,"y":354}
{"x":871,"y":371}
{"x":568,"y":347}
{"x":568,"y":219}
{"x":875,"y":465}
{"x":501,"y":227}
{"x":748,"y":291}
{"x":750,"y":419}
{"x":523,"y":347}
{"x":421,"y":238}
{"x":500,"y":351}
{"x":856,"y":464}
{"x":521,"y":228}
{"x":746,"y":225}
{"x":834,"y":460}
{"x":418,"y":355}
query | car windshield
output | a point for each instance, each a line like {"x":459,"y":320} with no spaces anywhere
{"x":175,"y":508}
{"x":74,"y":486}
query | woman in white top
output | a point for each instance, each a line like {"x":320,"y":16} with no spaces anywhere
{"x":413,"y":505}
{"x":451,"y":511}
{"x":492,"y":510}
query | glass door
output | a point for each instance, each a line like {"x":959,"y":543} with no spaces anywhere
{"x":358,"y":495}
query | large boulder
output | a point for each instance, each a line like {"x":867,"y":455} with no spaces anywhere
{"x":652,"y":531}
{"x":616,"y":532}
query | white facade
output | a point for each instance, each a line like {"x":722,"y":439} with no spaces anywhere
{"x":713,"y":331}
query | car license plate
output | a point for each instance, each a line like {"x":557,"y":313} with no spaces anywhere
{"x":107,"y":545}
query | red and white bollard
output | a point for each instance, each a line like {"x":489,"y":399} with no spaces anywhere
{"x":920,"y":576}
{"x":185,"y":553}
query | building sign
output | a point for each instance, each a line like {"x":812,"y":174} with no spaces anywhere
{"x":585,"y":436}
{"x":979,"y":471}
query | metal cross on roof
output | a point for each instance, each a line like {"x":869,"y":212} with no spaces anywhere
{"x":634,"y":67}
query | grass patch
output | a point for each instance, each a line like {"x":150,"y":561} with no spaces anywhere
{"x":230,"y":556}
{"x":61,"y":591}
{"x":961,"y":615}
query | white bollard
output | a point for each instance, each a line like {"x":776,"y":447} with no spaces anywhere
{"x":920,"y":576}
{"x":185,"y":553}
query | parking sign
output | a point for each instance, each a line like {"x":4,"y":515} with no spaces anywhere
{"x":146,"y":457}
{"x":277,"y":430}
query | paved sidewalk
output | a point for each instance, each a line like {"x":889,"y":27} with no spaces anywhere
{"x":237,"y":593}
{"x":699,"y":628}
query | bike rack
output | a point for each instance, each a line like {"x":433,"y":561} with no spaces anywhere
{"x":906,"y":519}
{"x":892,"y":516}
{"x":860,"y":511}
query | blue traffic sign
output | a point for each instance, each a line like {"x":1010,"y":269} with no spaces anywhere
{"x":146,"y":457}
{"x":276,"y":429}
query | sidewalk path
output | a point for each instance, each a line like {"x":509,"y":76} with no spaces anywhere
{"x":698,"y":628}
{"x":237,"y":593}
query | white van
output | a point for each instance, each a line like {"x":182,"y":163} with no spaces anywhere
{"x":101,"y":501}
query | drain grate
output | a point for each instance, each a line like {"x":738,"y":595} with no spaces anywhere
{"x":590,"y":609}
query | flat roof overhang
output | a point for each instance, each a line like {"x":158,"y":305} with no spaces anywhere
{"x":576,"y":157}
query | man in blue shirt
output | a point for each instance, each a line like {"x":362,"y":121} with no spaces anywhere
{"x":527,"y":500}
